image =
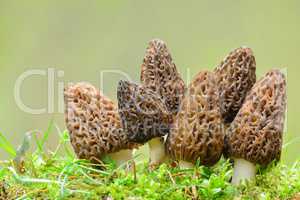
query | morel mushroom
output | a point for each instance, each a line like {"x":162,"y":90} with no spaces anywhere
{"x":235,"y":77}
{"x":159,"y":73}
{"x":144,"y":117}
{"x":197,"y":132}
{"x":94,"y":125}
{"x":255,"y":135}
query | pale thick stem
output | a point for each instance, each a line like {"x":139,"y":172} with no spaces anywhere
{"x":243,"y":170}
{"x":122,"y":156}
{"x":157,"y":151}
{"x":185,"y":165}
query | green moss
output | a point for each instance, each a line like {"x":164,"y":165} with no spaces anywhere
{"x":61,"y":176}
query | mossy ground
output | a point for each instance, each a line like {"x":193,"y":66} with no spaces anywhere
{"x":52,"y":175}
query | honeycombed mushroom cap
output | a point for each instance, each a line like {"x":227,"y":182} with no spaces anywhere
{"x":256,"y":133}
{"x":235,"y":77}
{"x":159,"y":73}
{"x":93,"y":122}
{"x":143,"y":114}
{"x":198,"y":131}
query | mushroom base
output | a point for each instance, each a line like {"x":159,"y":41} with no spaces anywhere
{"x":243,"y":170}
{"x":185,"y":165}
{"x":157,"y":151}
{"x":122,"y":156}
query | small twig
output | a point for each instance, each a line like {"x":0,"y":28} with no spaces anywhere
{"x":134,"y":171}
{"x":194,"y":188}
{"x":195,"y":193}
{"x":31,"y":180}
{"x":94,"y":170}
{"x":178,"y":174}
{"x":171,"y":177}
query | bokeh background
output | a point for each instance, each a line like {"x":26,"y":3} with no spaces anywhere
{"x":83,"y":38}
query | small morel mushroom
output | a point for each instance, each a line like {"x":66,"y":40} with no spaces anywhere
{"x":255,"y":135}
{"x":144,"y":117}
{"x":94,"y":125}
{"x":197,"y":132}
{"x":235,"y":77}
{"x":159,"y":73}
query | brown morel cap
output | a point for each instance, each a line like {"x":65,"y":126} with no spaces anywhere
{"x":93,"y":122}
{"x":159,"y":73}
{"x":144,"y":115}
{"x":235,"y":77}
{"x":256,"y":132}
{"x":198,"y":131}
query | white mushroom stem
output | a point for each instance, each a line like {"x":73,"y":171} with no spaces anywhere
{"x":157,"y":151}
{"x":185,"y":165}
{"x":122,"y":156}
{"x":243,"y":170}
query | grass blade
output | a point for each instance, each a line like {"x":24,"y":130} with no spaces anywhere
{"x":7,"y":146}
{"x":47,"y":133}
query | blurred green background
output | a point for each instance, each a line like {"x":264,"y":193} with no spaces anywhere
{"x":83,"y":38}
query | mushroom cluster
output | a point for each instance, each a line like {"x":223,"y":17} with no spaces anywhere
{"x":223,"y":112}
